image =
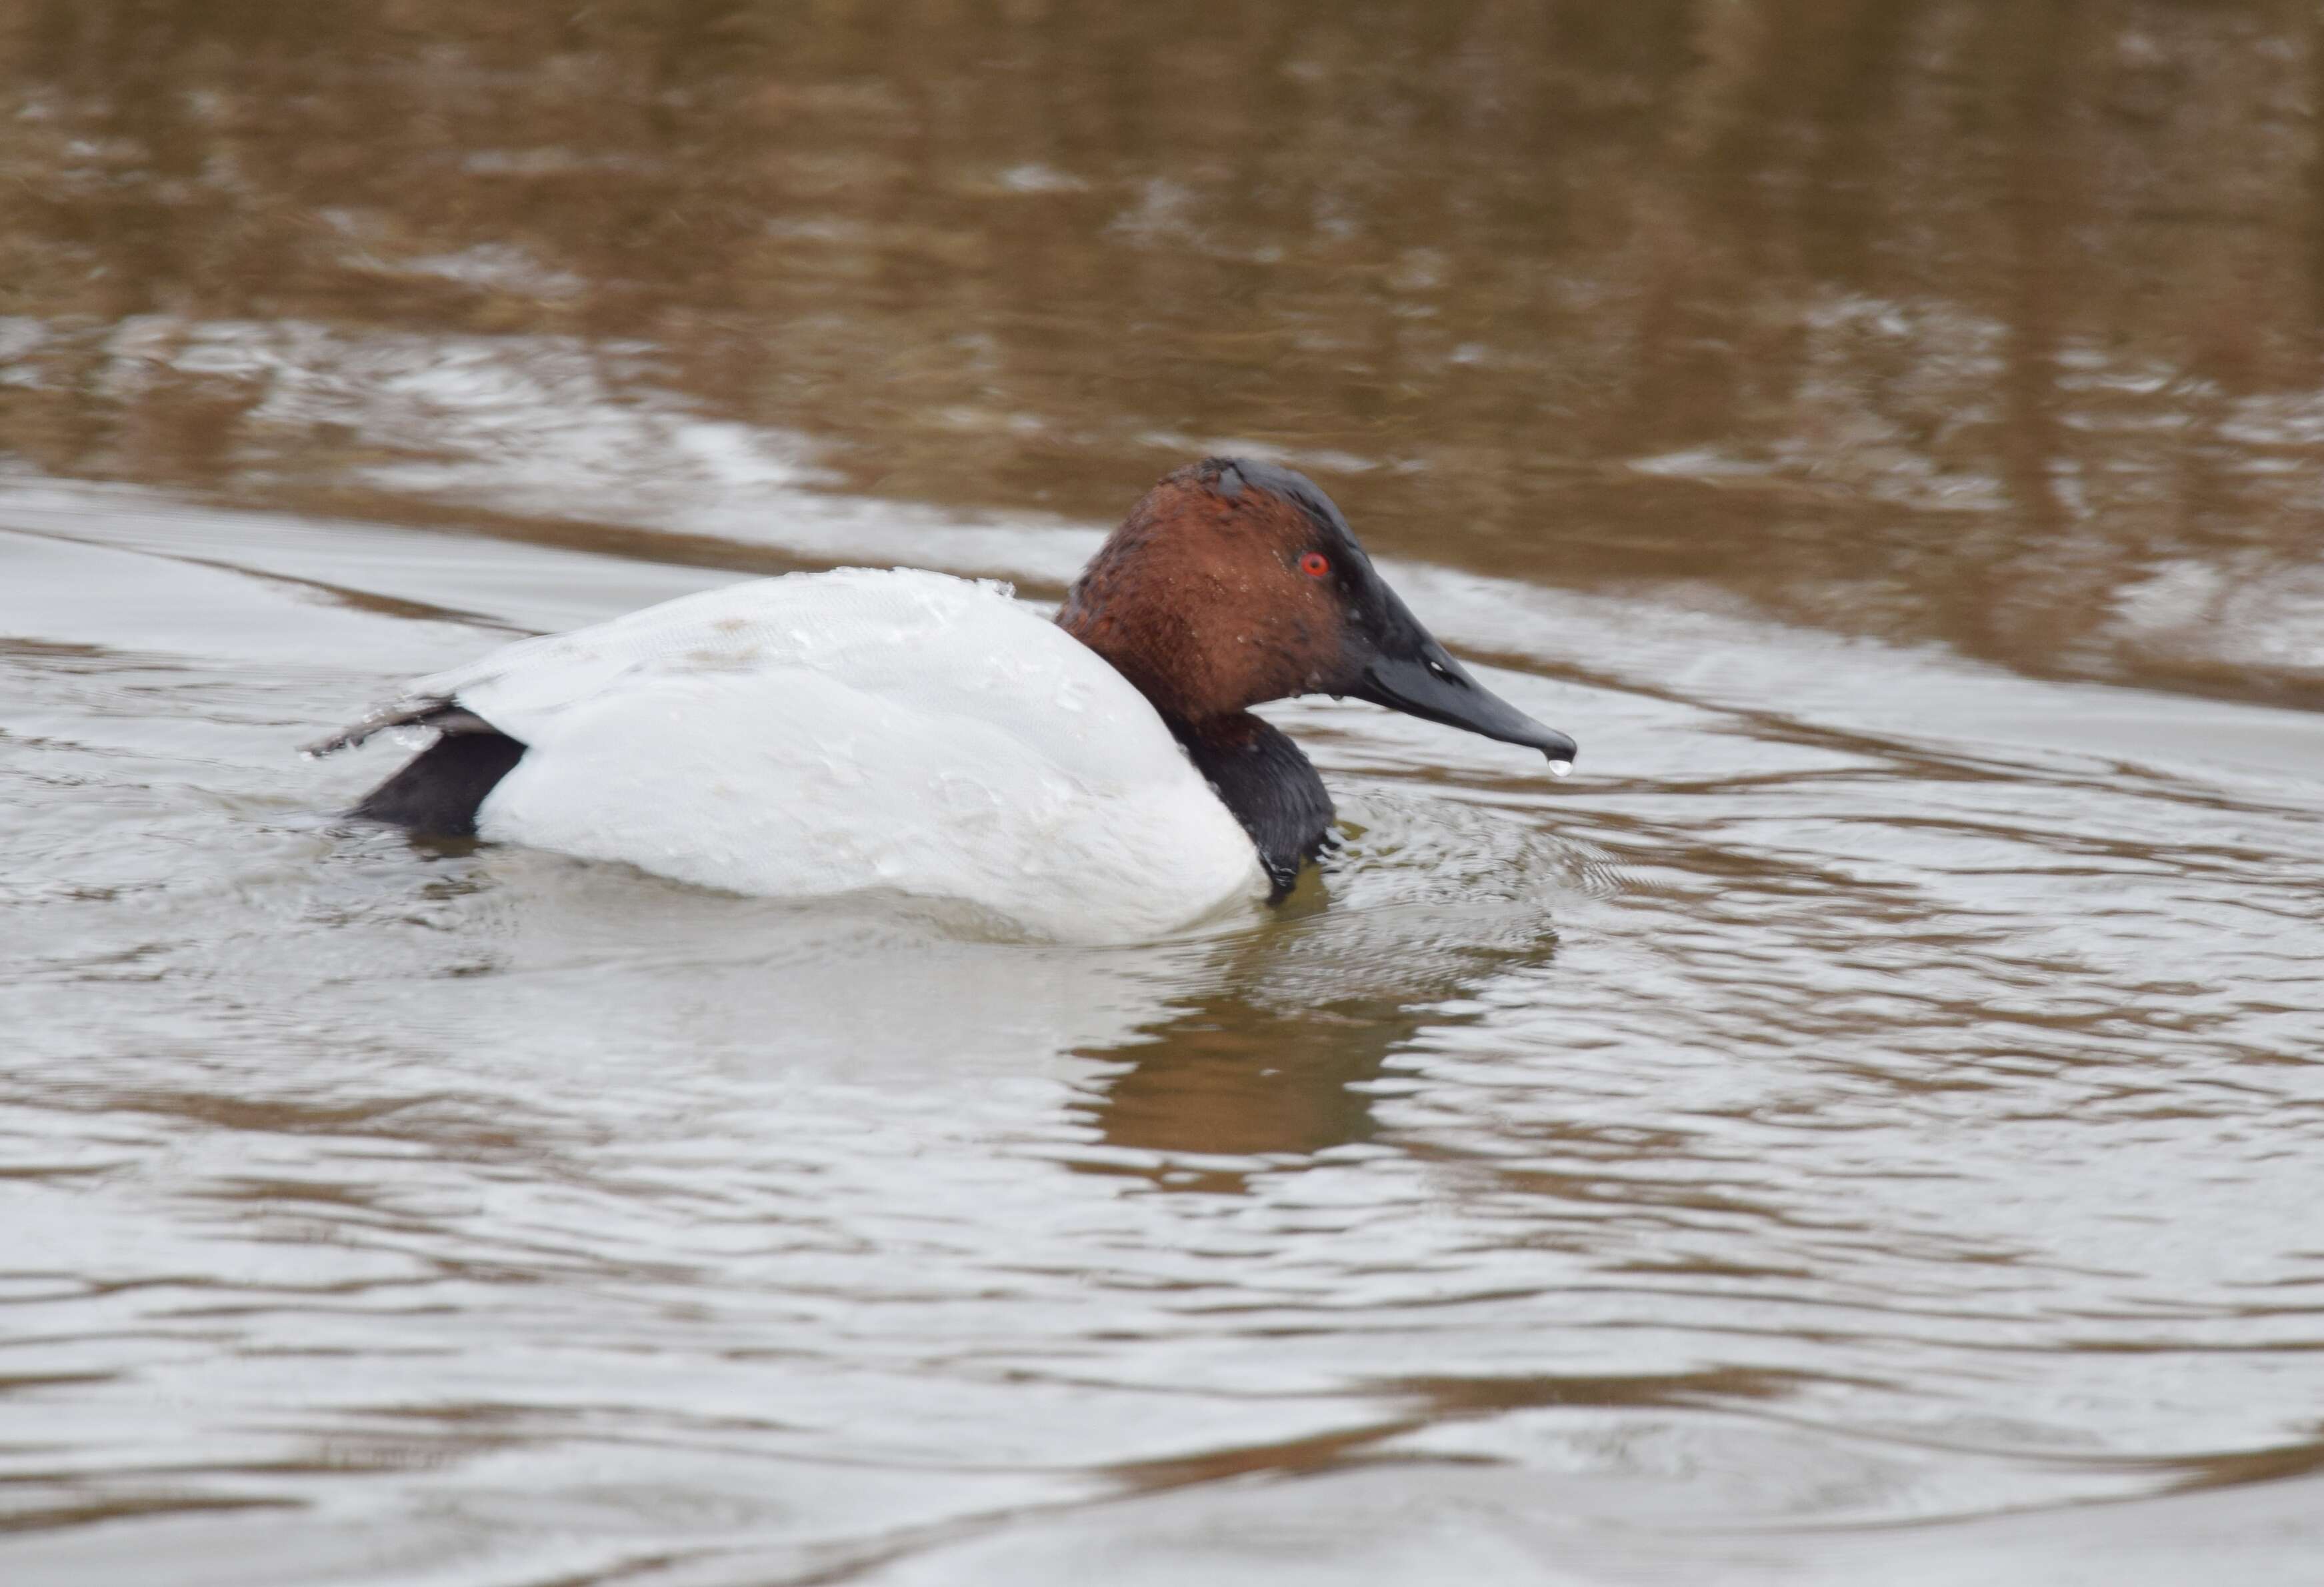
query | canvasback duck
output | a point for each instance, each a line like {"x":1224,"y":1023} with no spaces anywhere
{"x":1096,"y":778}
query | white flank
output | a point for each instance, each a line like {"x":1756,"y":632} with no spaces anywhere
{"x":834,"y":732}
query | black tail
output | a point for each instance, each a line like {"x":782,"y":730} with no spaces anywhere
{"x":437,"y":791}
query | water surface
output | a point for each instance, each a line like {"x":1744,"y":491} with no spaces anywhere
{"x":1863,"y":1126}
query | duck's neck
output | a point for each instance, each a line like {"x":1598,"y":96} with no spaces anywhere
{"x":1258,"y":771}
{"x":1271,"y":787}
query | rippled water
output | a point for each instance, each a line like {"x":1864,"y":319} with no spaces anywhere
{"x":1863,"y":1127}
{"x":1879,"y":1089}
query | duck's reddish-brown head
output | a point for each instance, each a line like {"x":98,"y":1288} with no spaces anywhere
{"x":1234,"y":583}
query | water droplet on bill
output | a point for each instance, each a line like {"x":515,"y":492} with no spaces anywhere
{"x":1560,"y":768}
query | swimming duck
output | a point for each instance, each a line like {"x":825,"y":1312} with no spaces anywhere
{"x":1097,"y":778}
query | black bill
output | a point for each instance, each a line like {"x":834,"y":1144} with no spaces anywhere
{"x":1408,"y":670}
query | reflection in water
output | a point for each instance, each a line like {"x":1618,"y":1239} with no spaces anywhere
{"x":1922,"y":318}
{"x":1220,"y":1079}
{"x":1260,"y":1066}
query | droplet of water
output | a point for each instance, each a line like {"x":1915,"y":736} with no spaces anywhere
{"x":1560,"y":768}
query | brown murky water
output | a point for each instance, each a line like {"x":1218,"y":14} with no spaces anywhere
{"x":1866,"y":1126}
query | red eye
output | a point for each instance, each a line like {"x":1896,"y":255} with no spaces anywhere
{"x":1315,"y":565}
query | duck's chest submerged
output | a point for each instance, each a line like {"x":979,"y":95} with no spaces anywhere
{"x":836,"y":732}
